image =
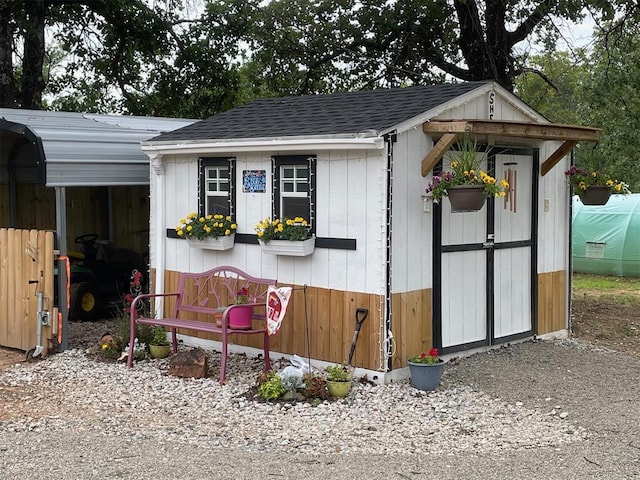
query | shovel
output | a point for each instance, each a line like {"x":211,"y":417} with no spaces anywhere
{"x":361,"y":315}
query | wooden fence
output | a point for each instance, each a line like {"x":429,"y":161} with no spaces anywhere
{"x":25,"y":256}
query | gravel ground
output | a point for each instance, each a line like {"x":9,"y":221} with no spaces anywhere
{"x":555,"y":409}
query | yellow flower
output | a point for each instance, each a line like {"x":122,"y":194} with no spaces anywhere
{"x":227,"y":232}
{"x":618,"y":187}
{"x":228,"y":218}
{"x":189,"y":228}
{"x":201,"y":219}
{"x":454,"y":164}
{"x":192,"y":215}
{"x":234,"y":226}
{"x":260,"y":233}
{"x":105,"y":346}
{"x":180,"y":232}
{"x":609,"y":183}
{"x":582,"y":186}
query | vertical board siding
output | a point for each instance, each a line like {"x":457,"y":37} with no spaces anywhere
{"x":552,"y":302}
{"x":349,"y":204}
{"x":87,"y":212}
{"x":317,"y":318}
{"x":24,"y":255}
{"x":412,"y":325}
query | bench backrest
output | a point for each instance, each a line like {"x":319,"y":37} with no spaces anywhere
{"x":205,"y":292}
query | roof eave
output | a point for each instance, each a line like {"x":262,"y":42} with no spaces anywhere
{"x":366,"y":141}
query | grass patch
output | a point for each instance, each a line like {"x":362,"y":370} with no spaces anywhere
{"x":582,"y":281}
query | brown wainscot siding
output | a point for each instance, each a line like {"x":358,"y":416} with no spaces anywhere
{"x":411,"y":324}
{"x":319,"y":322}
{"x":552,"y":302}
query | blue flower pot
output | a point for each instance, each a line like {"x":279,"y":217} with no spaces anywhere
{"x":425,"y":376}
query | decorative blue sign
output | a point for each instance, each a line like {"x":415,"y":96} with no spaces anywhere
{"x":254,"y":181}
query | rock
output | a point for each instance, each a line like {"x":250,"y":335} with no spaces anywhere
{"x":189,"y":364}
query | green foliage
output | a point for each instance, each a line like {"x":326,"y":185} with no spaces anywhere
{"x":211,"y":226}
{"x":557,"y":97}
{"x":157,"y":58}
{"x":338,"y":373}
{"x":271,"y":388}
{"x":466,"y":170}
{"x":430,"y":358}
{"x":287,"y":229}
{"x":582,"y":281}
{"x":159,"y":336}
{"x":111,"y":346}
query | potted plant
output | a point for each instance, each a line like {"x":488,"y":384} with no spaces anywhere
{"x":426,"y":370}
{"x":594,"y":186}
{"x":240,"y":317}
{"x":290,"y":236}
{"x":338,"y":380}
{"x":466,"y":185}
{"x":159,"y":346}
{"x":213,"y":232}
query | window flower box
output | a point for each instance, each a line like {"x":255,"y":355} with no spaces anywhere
{"x":293,"y":248}
{"x":225,"y":242}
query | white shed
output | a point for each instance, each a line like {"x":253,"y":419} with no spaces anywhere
{"x":358,"y":164}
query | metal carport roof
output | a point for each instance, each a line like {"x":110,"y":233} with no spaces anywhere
{"x":78,"y":149}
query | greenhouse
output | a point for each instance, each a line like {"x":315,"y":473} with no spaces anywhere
{"x":606,"y":239}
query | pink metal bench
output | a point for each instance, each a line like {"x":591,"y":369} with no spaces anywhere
{"x":209,"y":296}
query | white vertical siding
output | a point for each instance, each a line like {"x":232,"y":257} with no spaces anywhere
{"x":553,"y":225}
{"x":350,"y":193}
{"x":411,"y":225}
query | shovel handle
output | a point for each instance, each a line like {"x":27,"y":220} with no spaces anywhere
{"x":361,"y":315}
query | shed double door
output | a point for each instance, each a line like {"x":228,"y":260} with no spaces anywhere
{"x":485,"y":261}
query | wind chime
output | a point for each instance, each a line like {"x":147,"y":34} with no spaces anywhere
{"x":511,"y":176}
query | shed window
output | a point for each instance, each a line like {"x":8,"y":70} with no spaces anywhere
{"x":217,"y":186}
{"x":294,"y":187}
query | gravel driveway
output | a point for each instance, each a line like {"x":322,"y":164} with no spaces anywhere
{"x":543,"y":409}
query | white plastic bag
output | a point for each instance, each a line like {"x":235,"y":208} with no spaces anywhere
{"x":299,"y":363}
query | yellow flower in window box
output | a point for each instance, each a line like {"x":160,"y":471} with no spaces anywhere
{"x":210,"y":226}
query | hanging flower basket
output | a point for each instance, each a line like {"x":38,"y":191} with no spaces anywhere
{"x":293,"y":248}
{"x":596,"y":195}
{"x":466,"y":198}
{"x":224,"y":242}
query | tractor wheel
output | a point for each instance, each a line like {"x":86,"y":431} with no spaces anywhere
{"x":85,"y":303}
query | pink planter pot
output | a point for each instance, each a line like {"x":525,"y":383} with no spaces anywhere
{"x":240,"y":317}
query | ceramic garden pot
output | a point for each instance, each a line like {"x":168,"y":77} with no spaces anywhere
{"x":425,"y":376}
{"x":159,"y":351}
{"x":338,"y":389}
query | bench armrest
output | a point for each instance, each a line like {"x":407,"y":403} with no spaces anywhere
{"x":148,"y":295}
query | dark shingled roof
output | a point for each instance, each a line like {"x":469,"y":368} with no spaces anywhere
{"x":335,"y":114}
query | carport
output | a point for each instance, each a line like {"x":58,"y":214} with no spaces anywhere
{"x":77,"y":172}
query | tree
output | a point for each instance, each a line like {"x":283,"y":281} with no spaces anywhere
{"x":612,"y":97}
{"x":306,"y":46}
{"x":557,"y":94}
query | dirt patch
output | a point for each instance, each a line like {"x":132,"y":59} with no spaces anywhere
{"x":9,"y":356}
{"x":607,"y":320}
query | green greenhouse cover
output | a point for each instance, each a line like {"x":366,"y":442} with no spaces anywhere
{"x":606,"y":239}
